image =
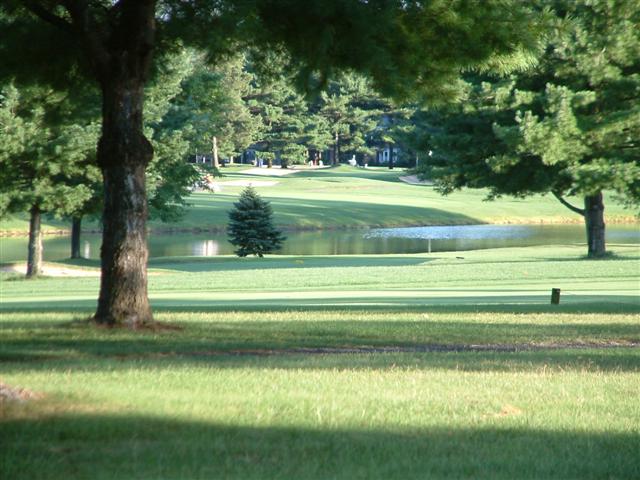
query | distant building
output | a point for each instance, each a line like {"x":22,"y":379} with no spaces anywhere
{"x":382,"y":156}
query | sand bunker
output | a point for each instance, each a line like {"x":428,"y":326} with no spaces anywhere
{"x":52,"y":270}
{"x":414,"y":180}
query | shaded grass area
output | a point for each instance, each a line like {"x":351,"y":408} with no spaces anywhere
{"x":29,"y":337}
{"x":150,"y":447}
{"x":561,"y":414}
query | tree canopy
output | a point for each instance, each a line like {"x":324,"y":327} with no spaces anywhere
{"x":569,"y":126}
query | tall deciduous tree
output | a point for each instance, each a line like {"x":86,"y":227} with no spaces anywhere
{"x":570,"y":126}
{"x":168,"y":176}
{"x":115,"y":41}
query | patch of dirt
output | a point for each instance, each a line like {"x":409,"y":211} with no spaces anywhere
{"x":17,"y":394}
{"x":509,"y":410}
{"x":51,"y":270}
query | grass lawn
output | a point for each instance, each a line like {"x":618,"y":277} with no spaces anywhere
{"x":347,"y":197}
{"x":392,"y":366}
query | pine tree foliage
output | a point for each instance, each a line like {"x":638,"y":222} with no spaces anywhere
{"x":283,"y":113}
{"x":40,"y":158}
{"x":213,"y":102}
{"x":168,"y":175}
{"x":570,"y":126}
{"x":43,"y":160}
{"x":352,"y":110}
{"x":251,"y":226}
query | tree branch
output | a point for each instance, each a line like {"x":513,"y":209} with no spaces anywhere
{"x":577,"y":210}
{"x":44,"y":14}
{"x":90,"y":32}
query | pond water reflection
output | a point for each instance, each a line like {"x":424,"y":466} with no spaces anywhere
{"x":375,"y":241}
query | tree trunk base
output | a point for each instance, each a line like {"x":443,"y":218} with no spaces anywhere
{"x":76,"y":228}
{"x":594,"y":219}
{"x":34,"y":258}
{"x":130,"y":321}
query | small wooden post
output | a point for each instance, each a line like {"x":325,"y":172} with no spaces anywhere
{"x":555,"y":296}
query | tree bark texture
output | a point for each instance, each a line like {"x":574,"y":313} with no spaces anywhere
{"x":122,"y":66}
{"x":390,"y":147}
{"x":34,"y":259}
{"x":123,"y":155}
{"x":594,"y":219}
{"x":76,"y":227}
{"x":118,"y":39}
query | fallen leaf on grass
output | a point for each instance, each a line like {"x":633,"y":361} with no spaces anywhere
{"x":16,"y":393}
{"x":508,"y":410}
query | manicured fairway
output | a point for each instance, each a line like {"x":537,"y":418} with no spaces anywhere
{"x":347,"y":197}
{"x":415,"y":366}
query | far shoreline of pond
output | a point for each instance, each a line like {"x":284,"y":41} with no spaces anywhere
{"x":618,"y":220}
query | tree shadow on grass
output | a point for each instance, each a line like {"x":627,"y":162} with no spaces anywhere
{"x":206,"y":264}
{"x":109,"y":446}
{"x":518,"y":300}
{"x":389,"y":175}
{"x":360,"y":214}
{"x":310,"y":342}
{"x":548,"y":361}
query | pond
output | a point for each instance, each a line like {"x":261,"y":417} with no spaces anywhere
{"x":374,"y":241}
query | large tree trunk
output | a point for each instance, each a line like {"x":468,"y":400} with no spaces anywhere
{"x":123,"y":155}
{"x":34,"y":259}
{"x":336,"y":150}
{"x":120,"y":52}
{"x":594,"y":219}
{"x":76,"y":227}
{"x":390,"y":147}
{"x":118,"y":39}
{"x":593,"y":214}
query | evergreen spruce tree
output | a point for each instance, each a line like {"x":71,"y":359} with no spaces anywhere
{"x":251,"y":226}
